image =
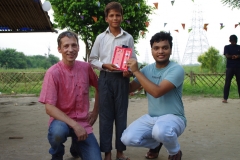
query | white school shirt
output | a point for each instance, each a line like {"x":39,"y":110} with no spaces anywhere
{"x":104,"y":45}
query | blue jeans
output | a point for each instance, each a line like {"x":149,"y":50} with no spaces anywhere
{"x":149,"y":131}
{"x":57,"y":135}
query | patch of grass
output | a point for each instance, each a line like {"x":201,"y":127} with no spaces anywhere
{"x":195,"y":69}
{"x":23,"y":70}
{"x":23,"y":86}
{"x":190,"y":90}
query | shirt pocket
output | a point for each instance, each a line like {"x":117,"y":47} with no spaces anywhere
{"x":83,"y":96}
{"x":84,"y":88}
{"x":121,"y":43}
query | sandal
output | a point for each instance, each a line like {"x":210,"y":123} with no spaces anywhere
{"x":224,"y":101}
{"x":123,"y":158}
{"x":153,"y":153}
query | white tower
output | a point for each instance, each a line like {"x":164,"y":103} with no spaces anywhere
{"x":175,"y":51}
{"x":197,"y":40}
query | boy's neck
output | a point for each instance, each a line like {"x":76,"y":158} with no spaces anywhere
{"x":115,"y":31}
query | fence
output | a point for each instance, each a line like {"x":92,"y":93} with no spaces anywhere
{"x":203,"y":80}
{"x":31,"y":82}
{"x":21,"y":82}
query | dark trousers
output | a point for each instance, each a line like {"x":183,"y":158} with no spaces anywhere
{"x":230,"y":72}
{"x":113,"y":104}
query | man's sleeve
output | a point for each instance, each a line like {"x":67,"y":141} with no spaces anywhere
{"x":93,"y":79}
{"x":48,"y":93}
{"x":225,"y":50}
{"x":175,"y":75}
{"x":238,"y":51}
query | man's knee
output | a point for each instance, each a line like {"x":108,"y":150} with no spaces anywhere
{"x":164,"y":134}
{"x":126,"y":138}
{"x":58,"y":132}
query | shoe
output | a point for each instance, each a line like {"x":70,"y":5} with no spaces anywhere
{"x":224,"y":101}
{"x":153,"y":153}
{"x":73,"y":152}
{"x":177,"y":156}
{"x":57,"y":157}
{"x":123,"y":158}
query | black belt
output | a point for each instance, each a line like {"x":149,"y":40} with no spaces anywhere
{"x":111,"y":74}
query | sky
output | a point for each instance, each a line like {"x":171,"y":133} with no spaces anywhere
{"x":213,"y":13}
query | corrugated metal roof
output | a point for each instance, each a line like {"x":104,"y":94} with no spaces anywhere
{"x":23,"y":16}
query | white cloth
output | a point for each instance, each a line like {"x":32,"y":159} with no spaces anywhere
{"x":149,"y":131}
{"x":104,"y":45}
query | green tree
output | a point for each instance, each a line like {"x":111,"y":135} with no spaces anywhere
{"x":39,"y":61}
{"x":210,"y":59}
{"x":232,"y":3}
{"x":53,"y":59}
{"x":10,"y":58}
{"x":221,"y":64}
{"x":79,"y":15}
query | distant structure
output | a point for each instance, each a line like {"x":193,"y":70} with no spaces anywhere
{"x":146,"y":58}
{"x":197,"y":41}
{"x":175,"y":51}
{"x":49,"y":50}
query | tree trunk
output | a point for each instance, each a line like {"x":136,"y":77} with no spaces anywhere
{"x":87,"y":53}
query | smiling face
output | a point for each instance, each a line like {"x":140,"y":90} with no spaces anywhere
{"x":161,"y":52}
{"x":114,"y":19}
{"x":69,"y":49}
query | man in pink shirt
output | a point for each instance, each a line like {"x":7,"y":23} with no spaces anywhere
{"x":65,"y":93}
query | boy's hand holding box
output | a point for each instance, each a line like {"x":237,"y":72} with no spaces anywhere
{"x":120,"y":57}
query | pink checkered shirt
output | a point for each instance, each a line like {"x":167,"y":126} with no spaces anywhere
{"x":67,"y":88}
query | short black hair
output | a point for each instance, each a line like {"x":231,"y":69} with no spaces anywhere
{"x":233,"y":38}
{"x":162,"y":36}
{"x":68,"y":34}
{"x":115,"y":6}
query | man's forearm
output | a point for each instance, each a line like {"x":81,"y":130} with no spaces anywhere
{"x":232,"y":56}
{"x":59,"y":115}
{"x":228,"y":56}
{"x":96,"y":108}
{"x":147,"y":85}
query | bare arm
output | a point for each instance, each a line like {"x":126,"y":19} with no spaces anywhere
{"x":133,"y":86}
{"x":228,"y":56}
{"x":59,"y":115}
{"x":93,"y":115}
{"x":232,"y":56}
{"x":235,"y":56}
{"x":153,"y":89}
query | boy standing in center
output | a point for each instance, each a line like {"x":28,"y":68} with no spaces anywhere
{"x":113,"y":84}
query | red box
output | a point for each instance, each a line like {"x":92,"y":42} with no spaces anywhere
{"x":120,"y":57}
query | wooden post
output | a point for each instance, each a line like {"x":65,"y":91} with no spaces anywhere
{"x":24,"y":79}
{"x":191,"y":78}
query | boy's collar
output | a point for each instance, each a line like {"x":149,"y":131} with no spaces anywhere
{"x":122,"y":31}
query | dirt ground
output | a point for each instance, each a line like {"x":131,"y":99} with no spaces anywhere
{"x":212,"y":133}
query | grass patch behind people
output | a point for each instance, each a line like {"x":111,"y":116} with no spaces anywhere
{"x":34,"y":88}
